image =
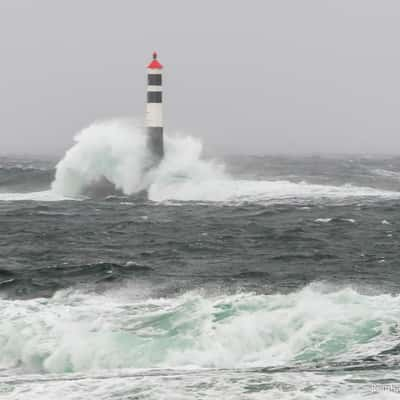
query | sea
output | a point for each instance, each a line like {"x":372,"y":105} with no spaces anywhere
{"x":202,"y":277}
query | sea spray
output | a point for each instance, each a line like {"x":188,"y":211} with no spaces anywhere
{"x":114,"y":151}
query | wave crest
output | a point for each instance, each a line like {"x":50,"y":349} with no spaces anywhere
{"x":114,"y":151}
{"x":76,"y":331}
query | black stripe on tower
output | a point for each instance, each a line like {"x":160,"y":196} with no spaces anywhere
{"x":154,"y":97}
{"x":154,"y":79}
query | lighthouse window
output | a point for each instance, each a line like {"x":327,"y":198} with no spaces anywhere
{"x":154,"y":79}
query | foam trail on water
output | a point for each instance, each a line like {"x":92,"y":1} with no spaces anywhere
{"x":46,"y":195}
{"x":266,"y":192}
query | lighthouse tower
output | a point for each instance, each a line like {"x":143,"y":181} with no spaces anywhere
{"x":154,"y":117}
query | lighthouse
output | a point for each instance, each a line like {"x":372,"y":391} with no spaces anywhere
{"x":154,"y":116}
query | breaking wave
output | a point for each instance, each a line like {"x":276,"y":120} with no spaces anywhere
{"x":113,"y":151}
{"x":387,"y":173}
{"x":116,"y":151}
{"x":113,"y":155}
{"x":77,"y":331}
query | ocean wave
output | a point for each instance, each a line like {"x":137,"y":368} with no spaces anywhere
{"x":16,"y":167}
{"x":116,"y":151}
{"x":24,"y":179}
{"x":39,"y":282}
{"x":76,"y":331}
{"x":44,"y":196}
{"x":112,"y":156}
{"x":386,"y":173}
{"x":327,"y":220}
{"x":265,"y":192}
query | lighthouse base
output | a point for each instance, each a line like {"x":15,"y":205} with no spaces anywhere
{"x":155,"y":142}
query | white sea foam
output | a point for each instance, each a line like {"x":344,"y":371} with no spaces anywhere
{"x":74,"y":331}
{"x":200,"y":384}
{"x":326,"y":220}
{"x":47,"y":195}
{"x":323,"y":220}
{"x":115,"y":151}
{"x":123,"y":342}
{"x":386,"y":173}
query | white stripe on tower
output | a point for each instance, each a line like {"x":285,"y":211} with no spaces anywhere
{"x":154,"y":120}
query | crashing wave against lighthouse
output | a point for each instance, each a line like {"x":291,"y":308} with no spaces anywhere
{"x":121,"y":155}
{"x":117,"y":151}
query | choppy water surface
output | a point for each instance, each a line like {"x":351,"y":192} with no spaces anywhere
{"x":247,"y":278}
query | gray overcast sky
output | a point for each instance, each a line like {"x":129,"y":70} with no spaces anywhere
{"x":248,"y":76}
